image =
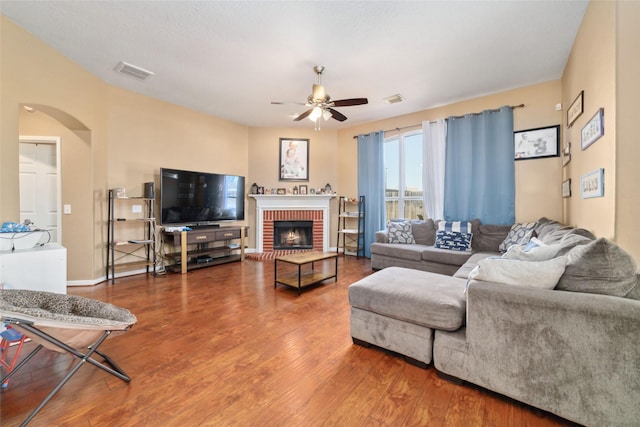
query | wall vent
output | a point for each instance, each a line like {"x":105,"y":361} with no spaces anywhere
{"x":393,"y":99}
{"x":133,"y":71}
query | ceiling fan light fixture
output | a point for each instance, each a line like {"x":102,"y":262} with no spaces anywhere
{"x":315,"y":114}
{"x":326,"y":115}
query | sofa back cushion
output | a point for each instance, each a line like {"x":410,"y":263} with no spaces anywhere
{"x":599,"y":267}
{"x":489,"y":236}
{"x":424,"y":232}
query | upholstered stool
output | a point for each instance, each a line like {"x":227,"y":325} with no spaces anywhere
{"x":398,"y":308}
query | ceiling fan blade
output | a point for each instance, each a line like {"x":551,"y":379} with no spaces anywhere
{"x":349,"y":102}
{"x":337,"y":115}
{"x":286,"y":102}
{"x":303,"y":115}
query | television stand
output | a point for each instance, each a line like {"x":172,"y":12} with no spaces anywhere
{"x":205,"y":247}
{"x":204,"y":226}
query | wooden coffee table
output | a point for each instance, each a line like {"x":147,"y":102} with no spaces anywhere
{"x":307,"y":277}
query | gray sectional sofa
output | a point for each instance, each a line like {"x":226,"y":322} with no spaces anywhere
{"x":560,"y":334}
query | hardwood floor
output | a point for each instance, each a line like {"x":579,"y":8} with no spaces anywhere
{"x":220,"y":346}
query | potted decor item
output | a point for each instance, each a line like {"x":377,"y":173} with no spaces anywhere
{"x":327,"y":188}
{"x":254,"y":188}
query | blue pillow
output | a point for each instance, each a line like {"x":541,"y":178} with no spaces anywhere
{"x":453,"y":240}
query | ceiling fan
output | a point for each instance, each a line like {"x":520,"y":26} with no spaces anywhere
{"x":321,"y":105}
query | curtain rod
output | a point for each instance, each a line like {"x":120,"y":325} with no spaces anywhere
{"x":434,"y":121}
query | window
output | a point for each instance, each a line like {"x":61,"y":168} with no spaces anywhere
{"x":403,"y":176}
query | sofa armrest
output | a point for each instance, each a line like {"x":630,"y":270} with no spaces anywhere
{"x":382,"y":236}
{"x":572,"y":353}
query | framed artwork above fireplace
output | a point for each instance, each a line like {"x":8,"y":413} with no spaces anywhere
{"x":294,"y":159}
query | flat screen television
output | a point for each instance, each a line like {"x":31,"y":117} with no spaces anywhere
{"x":200,"y":198}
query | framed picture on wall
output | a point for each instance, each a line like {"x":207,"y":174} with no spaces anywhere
{"x":537,"y":143}
{"x":593,"y":130}
{"x":592,"y":184}
{"x":566,"y":188}
{"x":294,"y":159}
{"x":575,"y":109}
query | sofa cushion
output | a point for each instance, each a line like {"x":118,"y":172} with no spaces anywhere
{"x":444,"y":256}
{"x":534,"y":274}
{"x":453,"y":240}
{"x":599,"y":267}
{"x":406,"y":252}
{"x":400,"y":232}
{"x":519,"y":234}
{"x":424,"y":232}
{"x":428,"y":299}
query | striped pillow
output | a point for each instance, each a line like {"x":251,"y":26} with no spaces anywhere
{"x":458,"y":226}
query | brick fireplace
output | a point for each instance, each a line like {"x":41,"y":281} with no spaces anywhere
{"x":270,"y":208}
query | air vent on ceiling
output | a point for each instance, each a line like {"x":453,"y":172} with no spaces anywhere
{"x":133,"y":71}
{"x":393,"y":99}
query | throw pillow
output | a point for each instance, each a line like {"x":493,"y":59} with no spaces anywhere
{"x":535,"y":250}
{"x":540,"y":274}
{"x":458,"y":226}
{"x":599,"y":267}
{"x":453,"y":240}
{"x":400,"y":232}
{"x":520,"y":234}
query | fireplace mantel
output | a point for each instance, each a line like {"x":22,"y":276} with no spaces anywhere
{"x":290,"y":202}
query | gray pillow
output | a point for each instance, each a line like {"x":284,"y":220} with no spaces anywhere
{"x":424,"y":232}
{"x":634,"y":293}
{"x":599,"y":267}
{"x":539,"y":274}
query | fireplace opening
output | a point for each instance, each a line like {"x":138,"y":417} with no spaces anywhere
{"x":292,"y":235}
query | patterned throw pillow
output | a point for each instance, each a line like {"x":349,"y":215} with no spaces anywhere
{"x":520,"y":234}
{"x":458,"y":226}
{"x":453,"y":240}
{"x":400,"y":232}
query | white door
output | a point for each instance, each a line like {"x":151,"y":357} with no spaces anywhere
{"x":40,"y":184}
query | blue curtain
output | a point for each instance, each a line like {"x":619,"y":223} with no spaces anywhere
{"x":480,"y":167}
{"x":371,"y":184}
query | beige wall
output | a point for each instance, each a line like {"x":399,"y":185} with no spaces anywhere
{"x":35,"y":74}
{"x":627,"y":204}
{"x":591,"y":67}
{"x":537,"y":181}
{"x":110,"y":137}
{"x":264,"y":158}
{"x":76,"y":187}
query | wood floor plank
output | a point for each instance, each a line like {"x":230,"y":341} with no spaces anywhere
{"x":221,"y":347}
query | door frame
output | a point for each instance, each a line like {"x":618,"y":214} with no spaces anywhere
{"x":29,"y":139}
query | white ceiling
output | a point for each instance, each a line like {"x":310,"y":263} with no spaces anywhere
{"x":232,"y":58}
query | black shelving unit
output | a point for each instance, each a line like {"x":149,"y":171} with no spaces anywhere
{"x":131,"y":240}
{"x":351,"y":220}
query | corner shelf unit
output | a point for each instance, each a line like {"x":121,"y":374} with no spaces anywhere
{"x":131,"y":241}
{"x":203,"y":247}
{"x":351,"y":218}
